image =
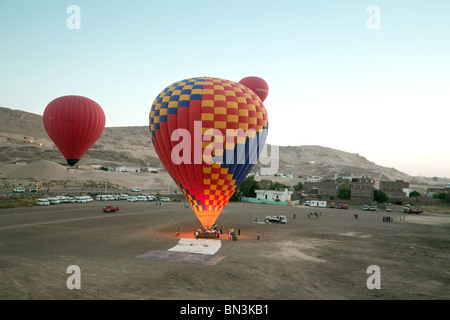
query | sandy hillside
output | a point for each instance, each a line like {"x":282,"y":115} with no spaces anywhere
{"x":51,"y":175}
{"x":26,"y":152}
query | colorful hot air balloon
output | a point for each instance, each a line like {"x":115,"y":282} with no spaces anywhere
{"x":74,"y":123}
{"x":257,"y":85}
{"x":208,"y":133}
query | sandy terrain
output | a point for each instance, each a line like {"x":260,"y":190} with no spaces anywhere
{"x":316,"y":258}
{"x":57,"y":176}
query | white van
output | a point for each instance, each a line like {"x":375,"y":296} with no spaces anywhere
{"x":53,"y":200}
{"x":80,"y":200}
{"x":61,"y":199}
{"x":141,"y":198}
{"x":43,"y":202}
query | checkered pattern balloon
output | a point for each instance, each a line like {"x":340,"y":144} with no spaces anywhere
{"x":224,"y":128}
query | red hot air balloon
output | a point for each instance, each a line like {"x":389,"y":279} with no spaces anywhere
{"x":257,"y":85}
{"x":208,"y":133}
{"x":74,"y":123}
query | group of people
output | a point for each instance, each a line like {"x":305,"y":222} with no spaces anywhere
{"x":208,"y":232}
{"x":314,"y":213}
{"x":215,"y":233}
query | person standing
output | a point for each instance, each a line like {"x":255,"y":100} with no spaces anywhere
{"x":258,"y":235}
{"x":239,"y":232}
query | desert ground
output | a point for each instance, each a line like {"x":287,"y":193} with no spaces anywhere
{"x":312,"y":258}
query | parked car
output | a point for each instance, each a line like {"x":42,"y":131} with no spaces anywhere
{"x":123,"y":197}
{"x":19,"y":189}
{"x":43,"y":202}
{"x":165,"y":199}
{"x":136,"y":189}
{"x":53,"y":200}
{"x":306,"y":203}
{"x":373,"y":208}
{"x":70,"y":199}
{"x":365,"y":207}
{"x":388,"y":208}
{"x":80,"y":200}
{"x":151,"y":198}
{"x":132,"y":199}
{"x":414,"y":210}
{"x":141,"y":198}
{"x":61,"y":199}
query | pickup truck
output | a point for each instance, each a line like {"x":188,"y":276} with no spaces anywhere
{"x":278,"y":219}
{"x":412,"y":210}
{"x":110,"y":209}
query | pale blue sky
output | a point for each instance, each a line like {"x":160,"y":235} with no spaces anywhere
{"x":384,"y":94}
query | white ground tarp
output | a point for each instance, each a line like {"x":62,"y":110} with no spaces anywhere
{"x":201,"y":246}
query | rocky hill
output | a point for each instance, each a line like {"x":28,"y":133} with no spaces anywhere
{"x":24,"y":139}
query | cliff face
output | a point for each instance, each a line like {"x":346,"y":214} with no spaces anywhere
{"x":23,"y":138}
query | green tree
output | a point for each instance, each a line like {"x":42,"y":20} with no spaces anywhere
{"x":298,"y":186}
{"x":246,"y":189}
{"x":442,"y":196}
{"x":278,"y":186}
{"x":414,"y":194}
{"x":344,"y":192}
{"x":380,"y":196}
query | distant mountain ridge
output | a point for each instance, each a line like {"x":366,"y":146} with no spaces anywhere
{"x":23,"y":138}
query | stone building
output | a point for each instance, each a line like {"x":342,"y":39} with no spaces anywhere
{"x":323,"y":190}
{"x":397,"y":190}
{"x":362,"y":187}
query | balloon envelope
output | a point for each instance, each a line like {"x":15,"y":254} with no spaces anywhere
{"x":208,"y":133}
{"x":257,"y":85}
{"x":74,"y":123}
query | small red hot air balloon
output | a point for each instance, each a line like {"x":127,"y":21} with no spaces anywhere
{"x":74,"y":123}
{"x":257,"y":85}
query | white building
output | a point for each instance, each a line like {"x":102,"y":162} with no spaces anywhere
{"x":128,"y":169}
{"x":314,"y":179}
{"x":273,"y":195}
